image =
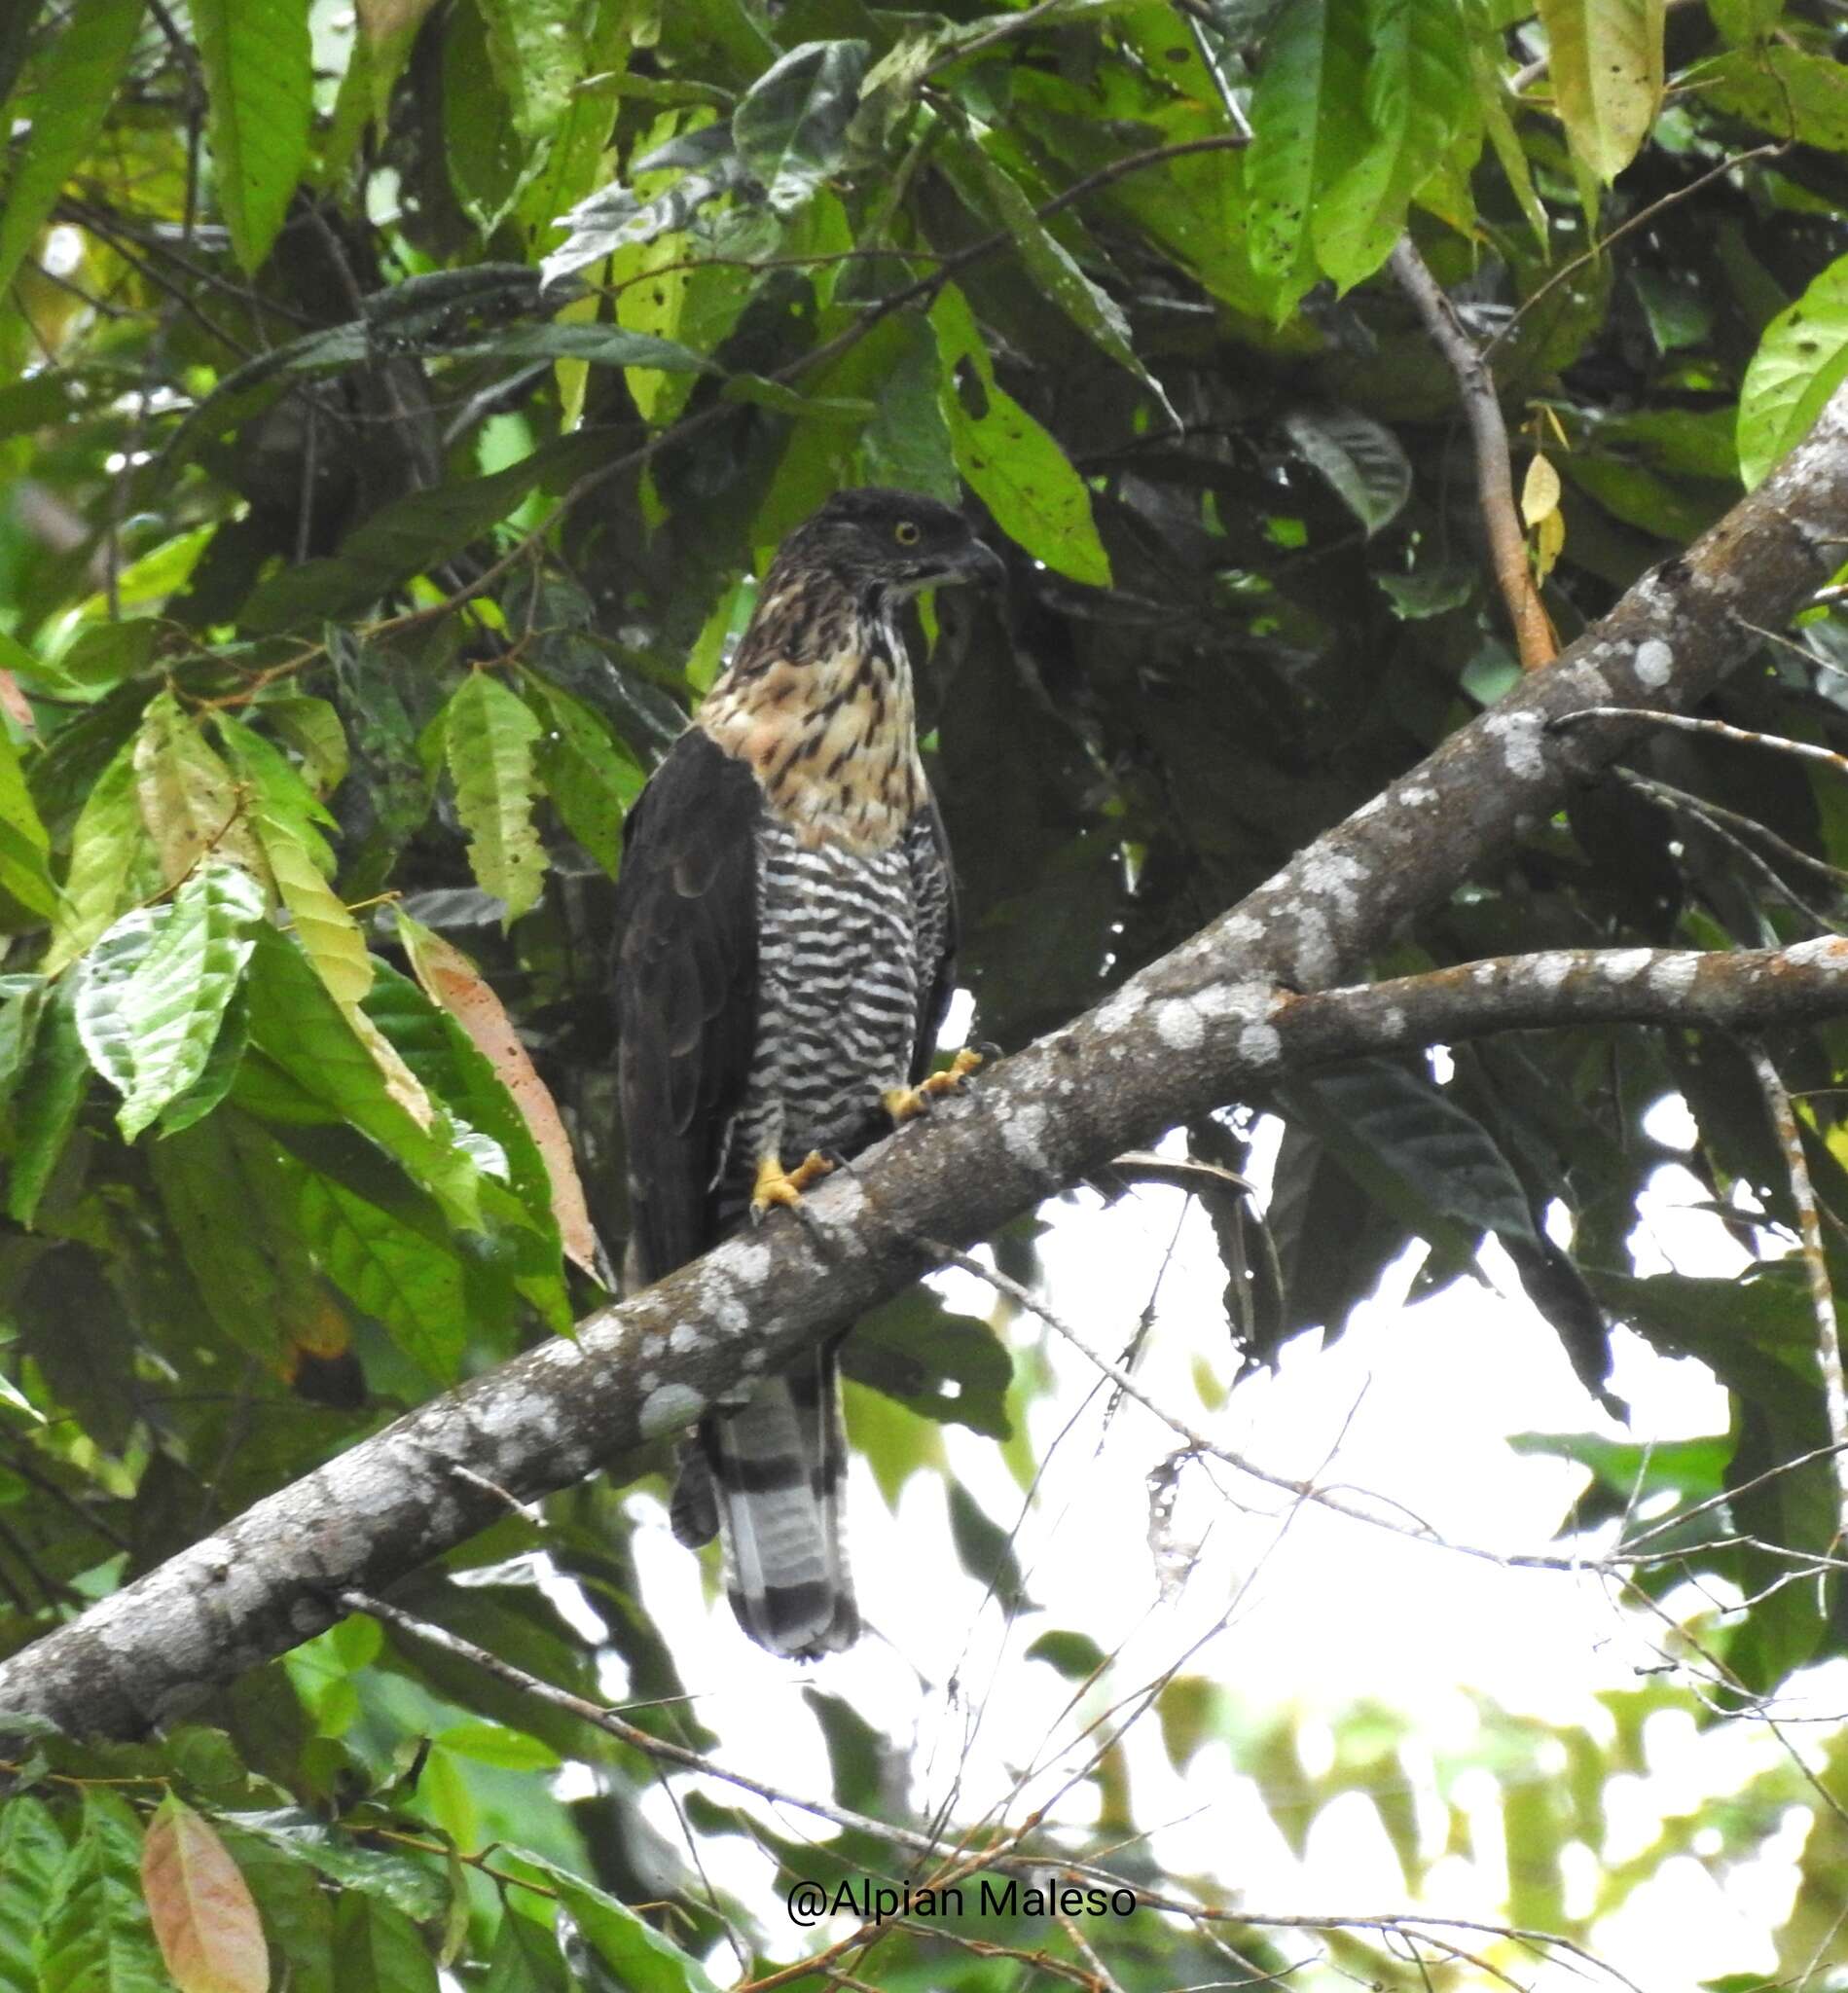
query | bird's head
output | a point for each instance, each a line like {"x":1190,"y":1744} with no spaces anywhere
{"x":886,"y":545}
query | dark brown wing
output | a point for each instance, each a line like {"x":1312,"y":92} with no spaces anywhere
{"x":686,"y":992}
{"x":933,"y":881}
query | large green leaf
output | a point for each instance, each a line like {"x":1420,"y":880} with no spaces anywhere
{"x":66,"y":110}
{"x":1607,"y":75}
{"x":95,"y":1936}
{"x":1784,"y":92}
{"x":488,"y":736}
{"x":1013,"y":464}
{"x":791,"y":129}
{"x":1800,"y":362}
{"x":259,"y":86}
{"x":1306,"y":133}
{"x":642,"y":1960}
{"x":1417,"y":96}
{"x":1362,"y":459}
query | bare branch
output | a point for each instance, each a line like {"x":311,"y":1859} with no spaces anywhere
{"x":1495,"y":472}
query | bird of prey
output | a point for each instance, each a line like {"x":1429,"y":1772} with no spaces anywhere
{"x":785,"y":935}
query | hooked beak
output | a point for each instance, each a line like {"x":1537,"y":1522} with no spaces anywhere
{"x":979,"y":564}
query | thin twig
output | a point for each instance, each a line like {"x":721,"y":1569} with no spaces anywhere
{"x":1495,"y":471}
{"x":1816,"y":1263}
{"x":1717,"y":730}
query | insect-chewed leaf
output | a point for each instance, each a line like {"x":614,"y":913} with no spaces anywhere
{"x":1014,"y":465}
{"x":791,"y":127}
{"x":1800,"y":362}
{"x":205,"y":1921}
{"x":452,"y":980}
{"x":1607,"y":69}
{"x":488,"y":738}
{"x":188,"y":799}
{"x":153,"y":993}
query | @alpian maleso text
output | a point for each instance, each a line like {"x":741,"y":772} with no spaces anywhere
{"x":987,"y":1896}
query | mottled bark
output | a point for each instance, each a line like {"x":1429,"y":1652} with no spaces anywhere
{"x":1212,"y":1020}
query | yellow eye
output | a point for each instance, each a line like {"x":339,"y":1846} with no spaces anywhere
{"x":906,"y":533}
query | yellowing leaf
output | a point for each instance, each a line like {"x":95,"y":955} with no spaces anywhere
{"x":204,"y":1918}
{"x":1539,"y":491}
{"x":451,"y":979}
{"x":188,"y":799}
{"x":1800,"y":362}
{"x":329,"y":935}
{"x":1607,"y":71}
{"x":1550,"y":542}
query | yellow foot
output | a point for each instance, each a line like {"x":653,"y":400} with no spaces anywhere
{"x":776,"y":1185}
{"x":906,"y":1103}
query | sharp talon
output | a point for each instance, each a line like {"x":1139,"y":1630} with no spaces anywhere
{"x":776,"y":1185}
{"x":906,"y":1103}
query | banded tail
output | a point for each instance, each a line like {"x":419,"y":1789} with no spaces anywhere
{"x":768,"y":1479}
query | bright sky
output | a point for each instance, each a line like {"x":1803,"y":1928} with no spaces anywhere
{"x":1413,"y":1403}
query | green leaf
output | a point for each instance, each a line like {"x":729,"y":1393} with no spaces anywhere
{"x":398,"y":1272}
{"x":1417,"y":97}
{"x":1361,"y":458}
{"x":907,"y":443}
{"x":258,"y":88}
{"x":526,"y":1959}
{"x":1607,"y":75}
{"x":378,"y":1949}
{"x":23,"y":844}
{"x":1800,"y":362}
{"x":75,"y":85}
{"x":1306,"y":131}
{"x":591,"y":779}
{"x":1415,"y":1151}
{"x":408,"y":1889}
{"x":1745,"y":20}
{"x":1015,"y":467}
{"x":642,"y":1960}
{"x":791,"y":129}
{"x":108,"y":847}
{"x":488,"y":738}
{"x":299,"y":1029}
{"x":496,"y":1744}
{"x":277,"y":789}
{"x":536,"y":48}
{"x":944,"y":1366}
{"x":404,"y":539}
{"x":152,"y":995}
{"x":32,"y":1852}
{"x":312,"y":728}
{"x":1053,"y":267}
{"x":49,"y":1094}
{"x":1784,"y":92}
{"x":95,"y":1936}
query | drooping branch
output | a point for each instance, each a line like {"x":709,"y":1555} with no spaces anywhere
{"x":1231,"y":1009}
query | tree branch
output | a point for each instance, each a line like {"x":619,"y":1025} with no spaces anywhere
{"x":1495,"y":472}
{"x":1210,"y":1021}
